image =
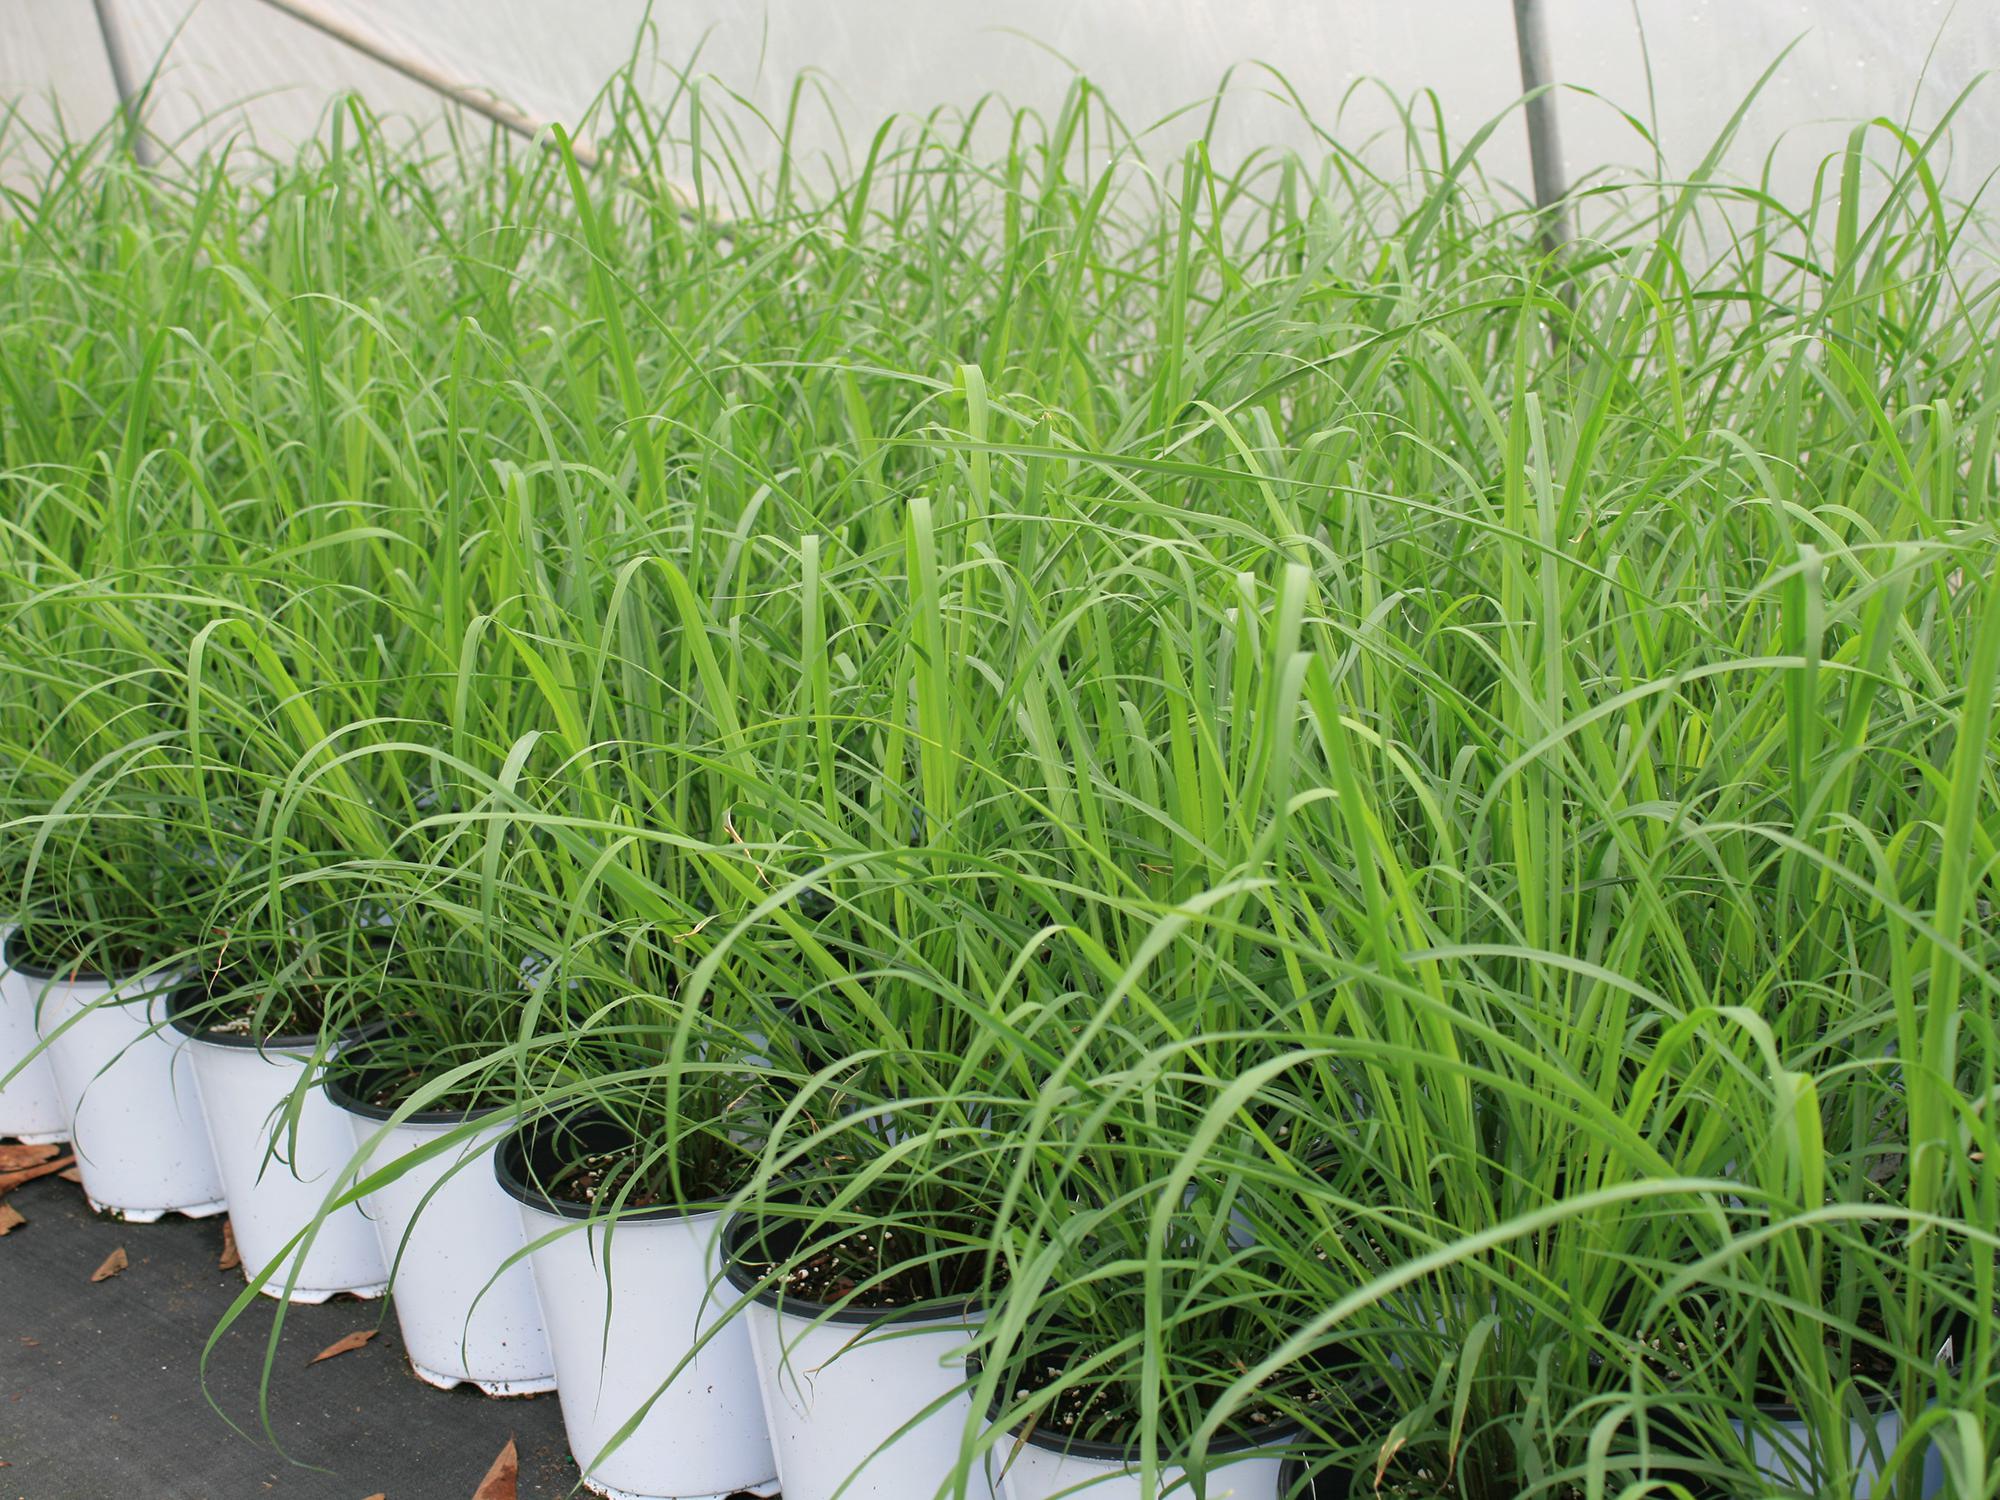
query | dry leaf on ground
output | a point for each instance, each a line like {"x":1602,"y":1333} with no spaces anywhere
{"x":10,"y":1218}
{"x":11,"y":1180}
{"x":230,"y":1259}
{"x":502,"y":1480}
{"x":113,"y":1264}
{"x":345,"y":1345}
{"x":378,"y":1495}
{"x":13,"y":1158}
{"x":71,"y":1174}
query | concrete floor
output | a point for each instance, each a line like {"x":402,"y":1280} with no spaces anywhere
{"x":101,"y":1394}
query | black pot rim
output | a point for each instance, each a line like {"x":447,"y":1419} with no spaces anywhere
{"x":283,"y":1042}
{"x":510,"y":1161}
{"x":335,"y":1085}
{"x":1877,"y":1403}
{"x":1360,"y":1478}
{"x":965,"y":1309}
{"x":182,"y":1000}
{"x":1228,"y":1443}
{"x":10,"y":958}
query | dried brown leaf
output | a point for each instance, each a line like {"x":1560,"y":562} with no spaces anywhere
{"x":1386,"y":1455}
{"x":502,"y":1481}
{"x":378,"y":1495}
{"x":113,"y":1264}
{"x":10,"y":1218}
{"x":346,"y":1345}
{"x":13,"y":1158}
{"x":11,"y":1180}
{"x":230,"y":1259}
{"x":71,"y":1174}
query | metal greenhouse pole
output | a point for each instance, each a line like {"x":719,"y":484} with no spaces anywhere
{"x":328,"y":21}
{"x":351,"y":33}
{"x":1544,"y":141}
{"x":121,"y":79}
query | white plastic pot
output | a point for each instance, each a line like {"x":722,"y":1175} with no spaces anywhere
{"x":127,"y":1087}
{"x":866,"y":1403}
{"x":445,"y":1228}
{"x":276,"y":1177}
{"x":31,"y":1109}
{"x":1045,"y":1466}
{"x":1781,"y":1446}
{"x":624,"y":1302}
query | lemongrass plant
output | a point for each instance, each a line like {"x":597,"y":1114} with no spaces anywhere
{"x":126,"y":806}
{"x":1148,"y":1274}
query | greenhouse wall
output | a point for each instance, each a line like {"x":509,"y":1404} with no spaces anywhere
{"x":228,"y":65}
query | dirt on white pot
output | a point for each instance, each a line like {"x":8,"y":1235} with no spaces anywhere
{"x":128,"y":1089}
{"x":277,"y":1174}
{"x":445,"y":1230}
{"x":1045,"y":1465}
{"x":624,"y":1301}
{"x":863,"y":1403}
{"x":1781,"y":1444}
{"x":31,"y":1109}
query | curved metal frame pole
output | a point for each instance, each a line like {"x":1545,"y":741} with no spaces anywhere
{"x":1544,"y":139}
{"x":351,"y":33}
{"x":121,"y":79}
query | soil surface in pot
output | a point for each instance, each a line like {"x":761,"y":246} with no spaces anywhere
{"x":856,"y":1265}
{"x":388,"y":1088}
{"x":881,"y":1266}
{"x":602,"y":1177}
{"x":297,"y":1010}
{"x":629,"y":1174}
{"x":1427,"y":1477}
{"x":1673,"y":1350}
{"x":262,"y":992}
{"x":386,"y":1070}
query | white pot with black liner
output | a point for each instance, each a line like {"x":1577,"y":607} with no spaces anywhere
{"x":447,"y":1231}
{"x":278,"y":1172}
{"x":31,"y":1109}
{"x":1043,"y":1464}
{"x":127,"y":1086}
{"x":863,"y":1403}
{"x":624,"y":1301}
{"x":1782,"y":1446}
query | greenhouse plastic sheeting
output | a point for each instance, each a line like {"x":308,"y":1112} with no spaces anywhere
{"x":228,"y":65}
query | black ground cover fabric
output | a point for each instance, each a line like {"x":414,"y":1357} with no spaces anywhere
{"x":101,"y":1398}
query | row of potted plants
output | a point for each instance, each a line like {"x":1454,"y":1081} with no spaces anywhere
{"x":705,"y":1353}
